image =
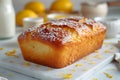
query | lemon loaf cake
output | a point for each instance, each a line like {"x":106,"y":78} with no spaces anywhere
{"x":61,"y":42}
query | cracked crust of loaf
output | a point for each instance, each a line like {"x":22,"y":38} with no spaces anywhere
{"x":61,"y":42}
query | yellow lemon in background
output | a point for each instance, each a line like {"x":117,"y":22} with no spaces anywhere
{"x":23,"y":14}
{"x":62,"y":6}
{"x":35,"y":6}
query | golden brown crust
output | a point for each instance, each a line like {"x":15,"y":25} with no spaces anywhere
{"x":62,"y":41}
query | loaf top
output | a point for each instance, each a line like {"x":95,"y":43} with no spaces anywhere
{"x":62,"y":31}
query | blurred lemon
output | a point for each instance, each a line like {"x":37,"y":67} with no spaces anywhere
{"x":23,"y":14}
{"x":62,"y":6}
{"x":35,"y":6}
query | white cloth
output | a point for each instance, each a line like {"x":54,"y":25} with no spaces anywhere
{"x":117,"y":57}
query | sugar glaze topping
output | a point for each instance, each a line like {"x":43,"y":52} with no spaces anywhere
{"x":57,"y":31}
{"x":54,"y":35}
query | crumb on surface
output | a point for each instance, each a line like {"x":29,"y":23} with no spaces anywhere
{"x":108,"y":75}
{"x":67,"y":76}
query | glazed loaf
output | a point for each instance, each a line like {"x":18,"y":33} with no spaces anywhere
{"x":61,"y":42}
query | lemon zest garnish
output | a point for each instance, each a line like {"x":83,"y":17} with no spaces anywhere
{"x":67,"y":76}
{"x":86,"y":58}
{"x":73,"y":70}
{"x":1,"y":48}
{"x":92,"y":62}
{"x":27,"y":64}
{"x":78,"y":65}
{"x":12,"y":53}
{"x":86,"y":69}
{"x":107,"y":43}
{"x":16,"y":56}
{"x":108,"y":75}
{"x":94,"y":79}
{"x":107,"y":51}
{"x":98,"y":56}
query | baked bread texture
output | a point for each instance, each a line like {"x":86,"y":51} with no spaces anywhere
{"x":61,"y":42}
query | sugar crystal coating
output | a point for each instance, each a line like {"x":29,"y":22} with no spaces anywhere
{"x":59,"y":31}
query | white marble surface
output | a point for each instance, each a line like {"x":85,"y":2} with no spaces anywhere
{"x":90,"y":64}
{"x":112,"y":69}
